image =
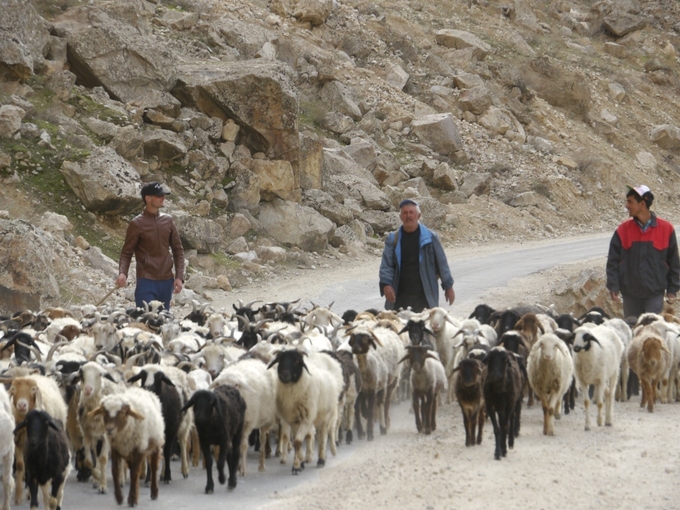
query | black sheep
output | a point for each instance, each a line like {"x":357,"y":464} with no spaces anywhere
{"x":219,"y":417}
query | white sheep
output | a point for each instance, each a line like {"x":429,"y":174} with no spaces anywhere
{"x":597,"y":361}
{"x":136,"y":431}
{"x":307,"y":397}
{"x":7,"y":425}
{"x":257,"y":386}
{"x":625,"y":334}
{"x":550,"y":370}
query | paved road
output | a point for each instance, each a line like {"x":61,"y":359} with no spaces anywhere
{"x":474,"y":276}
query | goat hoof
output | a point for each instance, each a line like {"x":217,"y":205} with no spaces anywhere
{"x":209,"y":490}
{"x":383,"y":431}
{"x":186,"y":476}
{"x":296,"y":471}
{"x":231,"y":486}
{"x":321,"y":463}
{"x":348,"y":437}
{"x":102,"y":490}
{"x":222,"y":478}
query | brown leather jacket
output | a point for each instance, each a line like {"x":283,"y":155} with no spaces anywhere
{"x":150,"y":237}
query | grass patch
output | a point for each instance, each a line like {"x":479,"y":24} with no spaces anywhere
{"x":222,"y":260}
{"x":87,"y":107}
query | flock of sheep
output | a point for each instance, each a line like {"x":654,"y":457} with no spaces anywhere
{"x":137,"y":385}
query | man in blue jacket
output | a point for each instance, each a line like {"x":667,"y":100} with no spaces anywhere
{"x":412,"y":261}
{"x":643,"y":262}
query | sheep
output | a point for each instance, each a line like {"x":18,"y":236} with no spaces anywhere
{"x":154,"y":379}
{"x":427,"y":380}
{"x":308,"y":401}
{"x":649,"y":358}
{"x":598,"y":365}
{"x":444,"y":328}
{"x":550,"y":370}
{"x":469,"y":392}
{"x":219,"y":415}
{"x":503,"y":385}
{"x":7,"y":424}
{"x":257,"y":386}
{"x":670,"y":332}
{"x":135,"y":429}
{"x":418,"y":332}
{"x":47,"y":457}
{"x":622,"y":329}
{"x":353,"y":385}
{"x":27,"y":393}
{"x":482,"y":313}
{"x":373,"y":372}
{"x":96,"y":383}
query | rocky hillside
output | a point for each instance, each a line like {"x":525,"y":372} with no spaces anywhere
{"x":291,"y":128}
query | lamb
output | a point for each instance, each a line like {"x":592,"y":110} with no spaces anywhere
{"x":469,"y":392}
{"x":308,"y":401}
{"x":27,"y":393}
{"x":7,"y":425}
{"x":427,"y":380}
{"x":598,"y":365}
{"x":219,"y":417}
{"x":135,"y":429}
{"x":257,"y":386}
{"x":649,"y":358}
{"x":550,"y":370}
{"x":503,"y":386}
{"x":47,"y":457}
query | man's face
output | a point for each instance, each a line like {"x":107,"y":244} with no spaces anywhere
{"x":155,"y":201}
{"x":634,"y":207}
{"x":409,"y":216}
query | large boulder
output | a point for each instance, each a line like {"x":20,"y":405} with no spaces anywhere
{"x":246,"y":38}
{"x":246,"y":192}
{"x":438,"y":132}
{"x":311,"y":161}
{"x":105,"y":182}
{"x":112,"y":45}
{"x":559,"y":86}
{"x":293,"y":224}
{"x":277,"y":179}
{"x":258,"y":95}
{"x":362,"y":152}
{"x":326,"y":205}
{"x":24,"y":40}
{"x":459,"y":39}
{"x":667,"y":137}
{"x":340,"y":98}
{"x":201,"y":234}
{"x":361,"y":190}
{"x":163,"y":145}
{"x":10,"y":120}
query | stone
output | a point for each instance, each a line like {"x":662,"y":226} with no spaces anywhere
{"x":362,"y":152}
{"x":105,"y":182}
{"x":464,"y":81}
{"x":646,"y":160}
{"x":122,"y":56}
{"x":311,"y":161}
{"x":338,"y":97}
{"x":475,"y":100}
{"x":438,"y":132}
{"x":323,"y":203}
{"x":666,"y":136}
{"x":201,"y":234}
{"x":444,"y":177}
{"x":55,"y":223}
{"x":82,"y":243}
{"x":525,"y":199}
{"x":271,"y":253}
{"x":246,"y":192}
{"x":239,"y":225}
{"x":24,"y":40}
{"x":230,"y":131}
{"x":10,"y":119}
{"x":616,"y":91}
{"x":615,"y":50}
{"x":276,"y":178}
{"x":163,"y":145}
{"x":620,"y":23}
{"x":296,"y":225}
{"x":259,"y":95}
{"x":314,"y":12}
{"x":460,"y":39}
{"x":223,"y":283}
{"x":238,"y":245}
{"x":568,"y":162}
{"x":476,"y":184}
{"x":61,"y":84}
{"x":396,"y":76}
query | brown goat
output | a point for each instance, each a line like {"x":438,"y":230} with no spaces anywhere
{"x":469,"y":390}
{"x":649,"y":358}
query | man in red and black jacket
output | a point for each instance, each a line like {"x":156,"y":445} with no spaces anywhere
{"x":643,"y":262}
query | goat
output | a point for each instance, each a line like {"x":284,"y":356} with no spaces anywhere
{"x":47,"y":457}
{"x":469,"y":392}
{"x":7,"y":425}
{"x":503,"y":397}
{"x":649,"y":358}
{"x":219,"y":416}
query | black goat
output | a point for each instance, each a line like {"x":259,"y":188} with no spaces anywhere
{"x":482,"y":313}
{"x":47,"y":457}
{"x":219,"y":416}
{"x":503,"y":386}
{"x":417,"y":332}
{"x":469,"y":390}
{"x":171,"y":403}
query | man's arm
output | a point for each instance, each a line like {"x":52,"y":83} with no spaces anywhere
{"x":613,"y":262}
{"x":673,"y":261}
{"x":442,"y":264}
{"x":178,"y":256}
{"x":131,"y":239}
{"x":387,"y":267}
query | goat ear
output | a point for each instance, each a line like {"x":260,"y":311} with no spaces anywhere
{"x":540,"y":326}
{"x":134,"y":414}
{"x":404,"y":330}
{"x":135,"y":378}
{"x":54,"y":424}
{"x":109,"y":377}
{"x":167,"y":381}
{"x":376,"y":340}
{"x":403,"y":359}
{"x":273,"y":362}
{"x":186,"y":406}
{"x":304,"y":365}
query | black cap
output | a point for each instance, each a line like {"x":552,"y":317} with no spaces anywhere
{"x":154,"y":189}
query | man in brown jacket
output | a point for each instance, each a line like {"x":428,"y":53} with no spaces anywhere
{"x":150,"y":237}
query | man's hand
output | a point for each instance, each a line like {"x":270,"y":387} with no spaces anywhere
{"x":670,"y":298}
{"x":450,"y":295}
{"x":614,"y":295}
{"x":390,"y":295}
{"x":177,"y":287}
{"x":121,"y":281}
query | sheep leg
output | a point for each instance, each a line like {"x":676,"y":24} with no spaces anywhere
{"x":496,"y":431}
{"x":104,"y":448}
{"x":416,"y":410}
{"x":479,"y":415}
{"x":309,"y":443}
{"x":154,"y":458}
{"x":370,"y":404}
{"x":388,"y":399}
{"x":19,"y":440}
{"x":284,"y":439}
{"x":247,"y":429}
{"x":322,"y":437}
{"x":648,"y":394}
{"x":184,"y":442}
{"x":264,"y":435}
{"x":663,"y":392}
{"x":195,"y":447}
{"x":609,"y":400}
{"x":348,"y":424}
{"x":586,"y":403}
{"x":233,"y":456}
{"x":51,"y":500}
{"x":32,"y":490}
{"x":135,"y":465}
{"x":116,"y":475}
{"x":433,"y":412}
{"x":208,"y":460}
{"x":298,"y":439}
{"x":426,"y":411}
{"x":357,"y":414}
{"x":466,"y":423}
{"x":7,"y":479}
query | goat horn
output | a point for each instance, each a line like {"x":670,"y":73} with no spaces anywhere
{"x":55,"y":347}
